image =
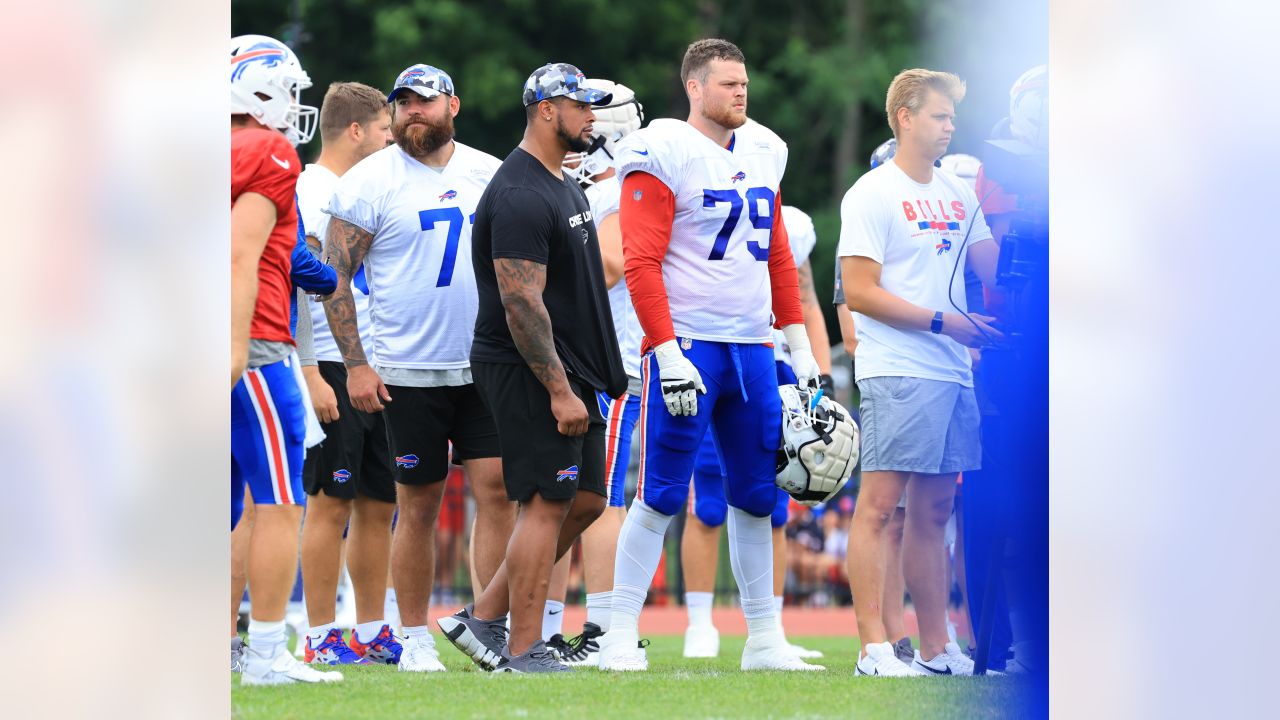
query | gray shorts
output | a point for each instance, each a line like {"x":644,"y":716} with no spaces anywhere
{"x":919,"y":426}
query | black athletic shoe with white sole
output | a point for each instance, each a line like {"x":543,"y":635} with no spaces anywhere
{"x":481,"y":640}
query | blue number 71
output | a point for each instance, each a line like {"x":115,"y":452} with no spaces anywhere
{"x":453,"y":215}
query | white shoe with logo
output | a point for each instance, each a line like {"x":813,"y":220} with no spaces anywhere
{"x":951,"y":661}
{"x":420,"y":655}
{"x":282,"y":669}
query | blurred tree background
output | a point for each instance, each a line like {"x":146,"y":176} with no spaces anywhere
{"x":819,"y":69}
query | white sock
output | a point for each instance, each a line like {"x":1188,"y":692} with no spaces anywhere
{"x":266,"y":639}
{"x":599,"y":606}
{"x":552,"y":619}
{"x":417,"y":631}
{"x":639,"y":548}
{"x":777,"y":605}
{"x":751,"y":556}
{"x":391,"y":608}
{"x":699,"y":606}
{"x":317,"y":632}
{"x":366,"y":632}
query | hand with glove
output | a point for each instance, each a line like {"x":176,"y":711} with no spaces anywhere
{"x":681,"y":382}
{"x":802,"y":362}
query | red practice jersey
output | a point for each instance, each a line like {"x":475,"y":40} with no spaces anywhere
{"x":263,"y":162}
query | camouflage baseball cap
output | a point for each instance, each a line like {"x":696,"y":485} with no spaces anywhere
{"x":561,"y":80}
{"x":425,"y":80}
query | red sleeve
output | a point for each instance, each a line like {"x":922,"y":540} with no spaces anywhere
{"x":645,"y":215}
{"x":784,"y":280}
{"x":993,"y":198}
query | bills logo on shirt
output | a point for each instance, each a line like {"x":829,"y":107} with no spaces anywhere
{"x":407,"y":461}
{"x":740,"y":176}
{"x":341,"y":476}
{"x":449,"y":195}
{"x":943,"y":247}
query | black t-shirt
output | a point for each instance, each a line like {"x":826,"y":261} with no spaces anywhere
{"x":529,"y":214}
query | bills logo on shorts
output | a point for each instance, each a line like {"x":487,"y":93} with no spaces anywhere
{"x":407,"y":461}
{"x":341,"y":476}
{"x":449,"y":195}
{"x":569,"y":473}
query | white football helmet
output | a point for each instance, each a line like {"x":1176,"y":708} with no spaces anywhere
{"x":621,"y":117}
{"x":267,"y":82}
{"x":1029,"y":108}
{"x":819,"y":445}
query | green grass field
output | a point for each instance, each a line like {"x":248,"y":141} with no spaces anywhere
{"x":673,"y":687}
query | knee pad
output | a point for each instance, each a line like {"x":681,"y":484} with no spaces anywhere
{"x":710,"y":511}
{"x":760,"y":501}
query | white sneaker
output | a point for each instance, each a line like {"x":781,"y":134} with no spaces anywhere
{"x":420,"y":655}
{"x":879,"y":659}
{"x":701,"y":641}
{"x":620,"y":651}
{"x":770,"y":651}
{"x":283,"y":669}
{"x":951,"y":661}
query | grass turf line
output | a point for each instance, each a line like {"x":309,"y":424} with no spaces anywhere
{"x":673,"y":687}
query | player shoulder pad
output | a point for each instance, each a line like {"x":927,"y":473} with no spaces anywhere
{"x":478,"y":164}
{"x":758,"y":138}
{"x":657,"y":149}
{"x":800,"y":232}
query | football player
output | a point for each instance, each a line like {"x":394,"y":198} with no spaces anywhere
{"x":348,"y":477}
{"x":708,"y":267}
{"x":594,"y":170}
{"x":267,"y":410}
{"x":405,"y":213}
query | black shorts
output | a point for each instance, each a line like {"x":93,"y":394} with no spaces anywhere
{"x":422,"y":421}
{"x":536,"y":458}
{"x":353,"y":457}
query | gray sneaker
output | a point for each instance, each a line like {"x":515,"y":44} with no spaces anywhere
{"x":237,"y":654}
{"x":481,"y":640}
{"x":903,"y":649}
{"x":537,"y":659}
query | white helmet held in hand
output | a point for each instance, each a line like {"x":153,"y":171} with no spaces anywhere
{"x":1029,"y":108}
{"x":266,"y":83}
{"x":819,"y":445}
{"x":621,"y":117}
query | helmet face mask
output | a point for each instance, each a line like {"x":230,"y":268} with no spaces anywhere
{"x":819,"y":448}
{"x":267,"y":82}
{"x":621,"y":117}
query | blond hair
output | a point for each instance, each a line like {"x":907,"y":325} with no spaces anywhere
{"x":346,"y":103}
{"x":700,"y":53}
{"x":910,"y":87}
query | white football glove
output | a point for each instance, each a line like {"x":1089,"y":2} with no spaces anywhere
{"x":681,"y":382}
{"x":802,"y":362}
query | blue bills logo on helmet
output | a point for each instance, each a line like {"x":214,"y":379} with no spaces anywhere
{"x":407,"y":461}
{"x":561,"y":80}
{"x":425,"y":80}
{"x":268,"y":53}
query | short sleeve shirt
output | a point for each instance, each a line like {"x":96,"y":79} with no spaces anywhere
{"x":527,"y":213}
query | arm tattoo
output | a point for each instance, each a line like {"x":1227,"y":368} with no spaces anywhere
{"x":808,"y":295}
{"x":347,"y":246}
{"x":520,"y":283}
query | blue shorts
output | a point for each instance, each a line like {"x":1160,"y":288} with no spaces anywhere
{"x":706,"y":497}
{"x":267,"y":430}
{"x":743,"y":410}
{"x":620,"y":415}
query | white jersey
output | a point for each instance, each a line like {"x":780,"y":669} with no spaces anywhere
{"x":915,"y":232}
{"x":315,"y":186}
{"x":803,"y":238}
{"x":422,"y":288}
{"x":716,"y":269}
{"x":603,"y":197}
